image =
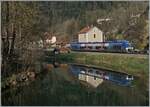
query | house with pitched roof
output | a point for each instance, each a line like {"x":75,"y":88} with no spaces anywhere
{"x":90,"y":34}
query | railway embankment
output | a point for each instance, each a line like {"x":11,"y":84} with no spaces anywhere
{"x":133,"y":64}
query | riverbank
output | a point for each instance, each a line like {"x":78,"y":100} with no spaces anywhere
{"x":133,"y":64}
{"x":52,"y":78}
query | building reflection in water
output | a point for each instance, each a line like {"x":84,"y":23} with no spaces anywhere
{"x":92,"y":80}
{"x":95,"y":76}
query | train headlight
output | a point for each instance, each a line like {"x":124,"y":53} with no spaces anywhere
{"x":129,"y":48}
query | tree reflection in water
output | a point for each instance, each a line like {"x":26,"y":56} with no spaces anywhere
{"x":62,"y":86}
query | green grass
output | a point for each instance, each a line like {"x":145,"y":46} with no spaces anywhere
{"x":136,"y":65}
{"x":133,"y":64}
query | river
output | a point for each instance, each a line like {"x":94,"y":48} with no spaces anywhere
{"x":68,"y":84}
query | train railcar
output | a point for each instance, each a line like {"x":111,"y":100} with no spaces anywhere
{"x":108,"y":46}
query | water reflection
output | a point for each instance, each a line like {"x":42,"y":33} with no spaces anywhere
{"x":92,"y":80}
{"x":95,"y":76}
{"x":62,"y":87}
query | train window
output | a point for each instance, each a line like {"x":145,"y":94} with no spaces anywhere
{"x":105,"y":47}
{"x":97,"y":72}
{"x":117,"y":47}
{"x":94,"y":35}
{"x":98,"y":47}
{"x":82,"y":47}
{"x":90,"y":47}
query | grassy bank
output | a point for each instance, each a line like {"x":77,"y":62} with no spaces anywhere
{"x":133,"y":64}
{"x":136,"y":65}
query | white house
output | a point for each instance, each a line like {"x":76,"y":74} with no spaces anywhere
{"x":51,"y":40}
{"x":90,"y":34}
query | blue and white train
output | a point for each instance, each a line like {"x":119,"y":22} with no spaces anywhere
{"x":108,"y":46}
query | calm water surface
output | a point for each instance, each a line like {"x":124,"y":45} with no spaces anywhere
{"x":67,"y":84}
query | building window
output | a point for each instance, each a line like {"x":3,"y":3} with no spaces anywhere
{"x":94,"y":35}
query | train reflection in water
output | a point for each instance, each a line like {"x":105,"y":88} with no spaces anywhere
{"x":95,"y":76}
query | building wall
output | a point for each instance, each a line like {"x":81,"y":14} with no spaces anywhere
{"x":98,"y":35}
{"x":94,"y":35}
{"x":82,"y":38}
{"x":94,"y":81}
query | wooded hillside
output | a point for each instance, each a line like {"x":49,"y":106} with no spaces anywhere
{"x":26,"y":22}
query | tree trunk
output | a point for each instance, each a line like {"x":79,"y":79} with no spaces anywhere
{"x":13,"y":31}
{"x":13,"y":41}
{"x":6,"y":44}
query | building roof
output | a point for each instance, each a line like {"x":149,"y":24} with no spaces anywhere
{"x":85,"y":30}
